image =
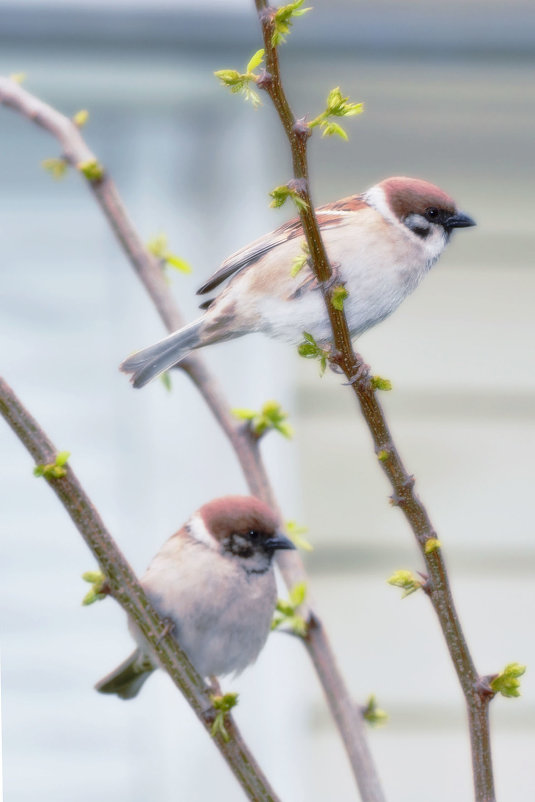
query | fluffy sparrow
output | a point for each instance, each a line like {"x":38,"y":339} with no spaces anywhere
{"x":214,"y":581}
{"x":381,"y":244}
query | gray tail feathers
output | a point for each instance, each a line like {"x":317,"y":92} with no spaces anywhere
{"x":127,"y":678}
{"x":148,"y":363}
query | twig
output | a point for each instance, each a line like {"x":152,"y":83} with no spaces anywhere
{"x":246,"y":447}
{"x":124,"y":587}
{"x":404,"y":496}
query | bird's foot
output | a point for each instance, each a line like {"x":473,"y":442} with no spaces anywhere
{"x":360,"y":376}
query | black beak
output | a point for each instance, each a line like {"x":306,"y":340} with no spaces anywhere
{"x":278,"y":541}
{"x":459,"y":220}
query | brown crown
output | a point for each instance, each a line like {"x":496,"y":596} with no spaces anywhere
{"x":238,"y":514}
{"x":413,"y":195}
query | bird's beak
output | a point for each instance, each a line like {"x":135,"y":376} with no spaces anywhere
{"x":459,"y":220}
{"x":278,"y":541}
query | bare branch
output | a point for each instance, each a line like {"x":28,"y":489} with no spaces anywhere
{"x":246,"y":447}
{"x":357,"y":374}
{"x":127,"y":591}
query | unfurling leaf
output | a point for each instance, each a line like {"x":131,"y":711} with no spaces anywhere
{"x":98,"y":590}
{"x":255,"y":61}
{"x":373,"y":714}
{"x":271,"y":416}
{"x":507,"y":681}
{"x":282,"y":20}
{"x":406,"y":580}
{"x":295,"y":533}
{"x":92,"y":169}
{"x":431,"y":545}
{"x":222,"y":705}
{"x":300,"y":261}
{"x":56,"y":167}
{"x":309,"y":349}
{"x":157,"y":245}
{"x":80,"y":118}
{"x":240,"y":82}
{"x":338,"y":296}
{"x":378,"y":383}
{"x":53,"y":470}
{"x":337,"y":106}
{"x":286,"y":612}
{"x":281,"y":194}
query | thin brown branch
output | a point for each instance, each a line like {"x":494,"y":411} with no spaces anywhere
{"x":404,"y":495}
{"x":246,"y":447}
{"x":127,"y":591}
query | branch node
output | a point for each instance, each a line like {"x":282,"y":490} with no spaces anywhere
{"x":264,"y":80}
{"x":301,"y":128}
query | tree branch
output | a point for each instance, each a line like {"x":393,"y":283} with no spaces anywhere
{"x":246,"y":447}
{"x":404,"y":496}
{"x":127,"y":591}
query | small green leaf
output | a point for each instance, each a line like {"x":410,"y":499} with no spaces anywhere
{"x":298,"y":594}
{"x":157,"y":245}
{"x":80,"y":118}
{"x":98,"y":590}
{"x":333,"y":129}
{"x":378,"y":383}
{"x":337,"y":106}
{"x":256,"y":60}
{"x":271,"y":416}
{"x":300,"y":261}
{"x":338,"y":296}
{"x":309,"y":349}
{"x":92,"y":169}
{"x":295,"y":533}
{"x":383,"y":455}
{"x":282,"y":20}
{"x":165,"y":379}
{"x":281,"y":194}
{"x":178,"y":263}
{"x":56,"y":167}
{"x":286,"y":614}
{"x":222,"y":705}
{"x":373,"y":714}
{"x":54,"y":470}
{"x":241,"y":82}
{"x":431,"y":544}
{"x":507,"y":681}
{"x":244,"y":414}
{"x":405,"y":580}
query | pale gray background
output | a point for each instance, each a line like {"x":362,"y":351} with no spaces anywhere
{"x":449,"y":96}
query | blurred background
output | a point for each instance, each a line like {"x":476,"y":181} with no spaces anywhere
{"x":449,"y":96}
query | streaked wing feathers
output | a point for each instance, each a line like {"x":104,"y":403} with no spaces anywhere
{"x":332,"y":214}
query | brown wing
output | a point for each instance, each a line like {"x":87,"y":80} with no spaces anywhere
{"x":328,"y":216}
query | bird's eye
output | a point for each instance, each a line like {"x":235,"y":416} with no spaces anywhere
{"x":432,"y":213}
{"x":253,"y":534}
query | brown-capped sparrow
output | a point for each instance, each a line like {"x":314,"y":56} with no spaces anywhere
{"x":381,"y":244}
{"x":214,"y":581}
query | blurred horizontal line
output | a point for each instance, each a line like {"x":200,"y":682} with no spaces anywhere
{"x":425,"y":403}
{"x":361,"y":558}
{"x":439,"y":30}
{"x":425,"y":717}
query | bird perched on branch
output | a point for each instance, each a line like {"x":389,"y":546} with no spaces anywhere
{"x":380,"y":245}
{"x":214,"y":582}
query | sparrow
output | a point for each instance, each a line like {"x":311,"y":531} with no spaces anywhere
{"x":380,"y":245}
{"x":214,"y":582}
